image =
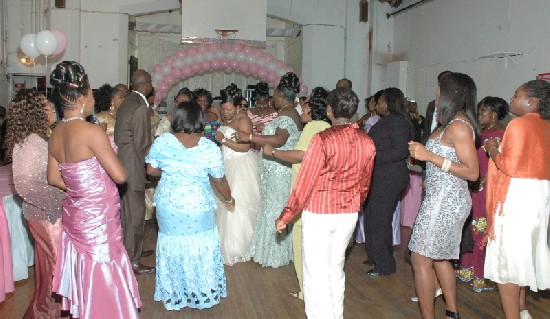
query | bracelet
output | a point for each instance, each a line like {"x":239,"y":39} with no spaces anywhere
{"x":224,"y":140}
{"x":489,"y":151}
{"x":446,"y":165}
{"x":250,"y":138}
{"x":273,"y":152}
{"x":230,"y":201}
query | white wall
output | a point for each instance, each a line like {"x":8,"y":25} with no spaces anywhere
{"x":453,"y":35}
{"x":335,"y":43}
{"x":97,"y":38}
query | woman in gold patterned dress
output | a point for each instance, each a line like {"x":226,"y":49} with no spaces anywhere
{"x":108,"y":99}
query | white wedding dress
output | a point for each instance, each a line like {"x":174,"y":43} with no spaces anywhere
{"x":236,"y":225}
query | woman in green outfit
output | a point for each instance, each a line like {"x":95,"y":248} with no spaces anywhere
{"x":314,"y":113}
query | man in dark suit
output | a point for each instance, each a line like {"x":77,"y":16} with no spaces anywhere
{"x":133,"y":138}
{"x":430,"y":122}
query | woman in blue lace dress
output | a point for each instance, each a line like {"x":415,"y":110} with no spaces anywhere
{"x":189,"y":261}
{"x":268,"y":248}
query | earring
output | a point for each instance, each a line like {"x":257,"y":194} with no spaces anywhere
{"x":112,"y":106}
{"x":82,"y":109}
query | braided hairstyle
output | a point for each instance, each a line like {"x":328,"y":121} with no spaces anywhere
{"x":289,"y":86}
{"x":540,"y":90}
{"x":318,"y":104}
{"x":70,"y":82}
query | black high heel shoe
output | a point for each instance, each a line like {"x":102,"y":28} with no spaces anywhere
{"x":453,"y":315}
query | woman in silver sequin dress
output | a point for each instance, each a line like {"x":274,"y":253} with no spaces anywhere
{"x":451,"y":160}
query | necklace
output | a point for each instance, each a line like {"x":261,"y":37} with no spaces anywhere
{"x":284,"y":107}
{"x":231,"y":120}
{"x":492,"y":125}
{"x":73,"y":118}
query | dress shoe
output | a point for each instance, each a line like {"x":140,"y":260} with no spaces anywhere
{"x":524,"y":314}
{"x":147,"y":253}
{"x":373,"y":273}
{"x":368,"y":262}
{"x":140,"y":269}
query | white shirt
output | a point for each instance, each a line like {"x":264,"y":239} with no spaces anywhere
{"x":143,"y":97}
{"x":434,"y":121}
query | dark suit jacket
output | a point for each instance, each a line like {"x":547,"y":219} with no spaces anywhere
{"x":133,"y":138}
{"x":391,"y":136}
{"x":428,"y":122}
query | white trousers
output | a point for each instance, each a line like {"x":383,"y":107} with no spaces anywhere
{"x":325,"y":238}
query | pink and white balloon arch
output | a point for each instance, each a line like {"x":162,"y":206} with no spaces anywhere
{"x":213,"y":57}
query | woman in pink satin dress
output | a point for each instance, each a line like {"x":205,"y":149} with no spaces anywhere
{"x":28,"y":128}
{"x":93,"y":273}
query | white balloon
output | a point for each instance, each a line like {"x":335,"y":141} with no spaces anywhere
{"x":261,"y":62}
{"x":230,"y":55}
{"x":241,"y":56}
{"x":281,"y":72}
{"x":251,"y":59}
{"x":209,"y":56}
{"x":189,"y":60}
{"x":46,"y":42}
{"x":166,"y":69}
{"x":28,"y":46}
{"x":220,"y":55}
{"x":179,"y":63}
{"x":199,"y":58}
{"x":157,"y":77}
{"x":271,"y":67}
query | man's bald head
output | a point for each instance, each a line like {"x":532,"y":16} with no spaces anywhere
{"x":141,"y":82}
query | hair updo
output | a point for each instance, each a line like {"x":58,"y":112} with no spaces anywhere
{"x":262,"y":91}
{"x":289,"y":86}
{"x":70,"y":82}
{"x":318,"y":104}
{"x":230,"y":93}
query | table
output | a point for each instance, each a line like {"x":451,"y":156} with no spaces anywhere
{"x":16,"y":250}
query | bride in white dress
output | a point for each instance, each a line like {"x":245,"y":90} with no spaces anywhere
{"x":241,"y":170}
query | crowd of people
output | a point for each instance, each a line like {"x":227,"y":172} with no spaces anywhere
{"x":291,"y":179}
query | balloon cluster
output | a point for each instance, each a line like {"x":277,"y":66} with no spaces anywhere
{"x":212,"y":57}
{"x":46,"y":42}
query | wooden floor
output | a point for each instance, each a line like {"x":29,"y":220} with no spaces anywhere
{"x":257,"y":292}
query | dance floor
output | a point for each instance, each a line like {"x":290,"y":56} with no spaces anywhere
{"x":257,"y":292}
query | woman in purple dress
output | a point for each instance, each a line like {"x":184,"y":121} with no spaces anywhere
{"x":93,"y":273}
{"x":29,"y":119}
{"x":491,"y":110}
